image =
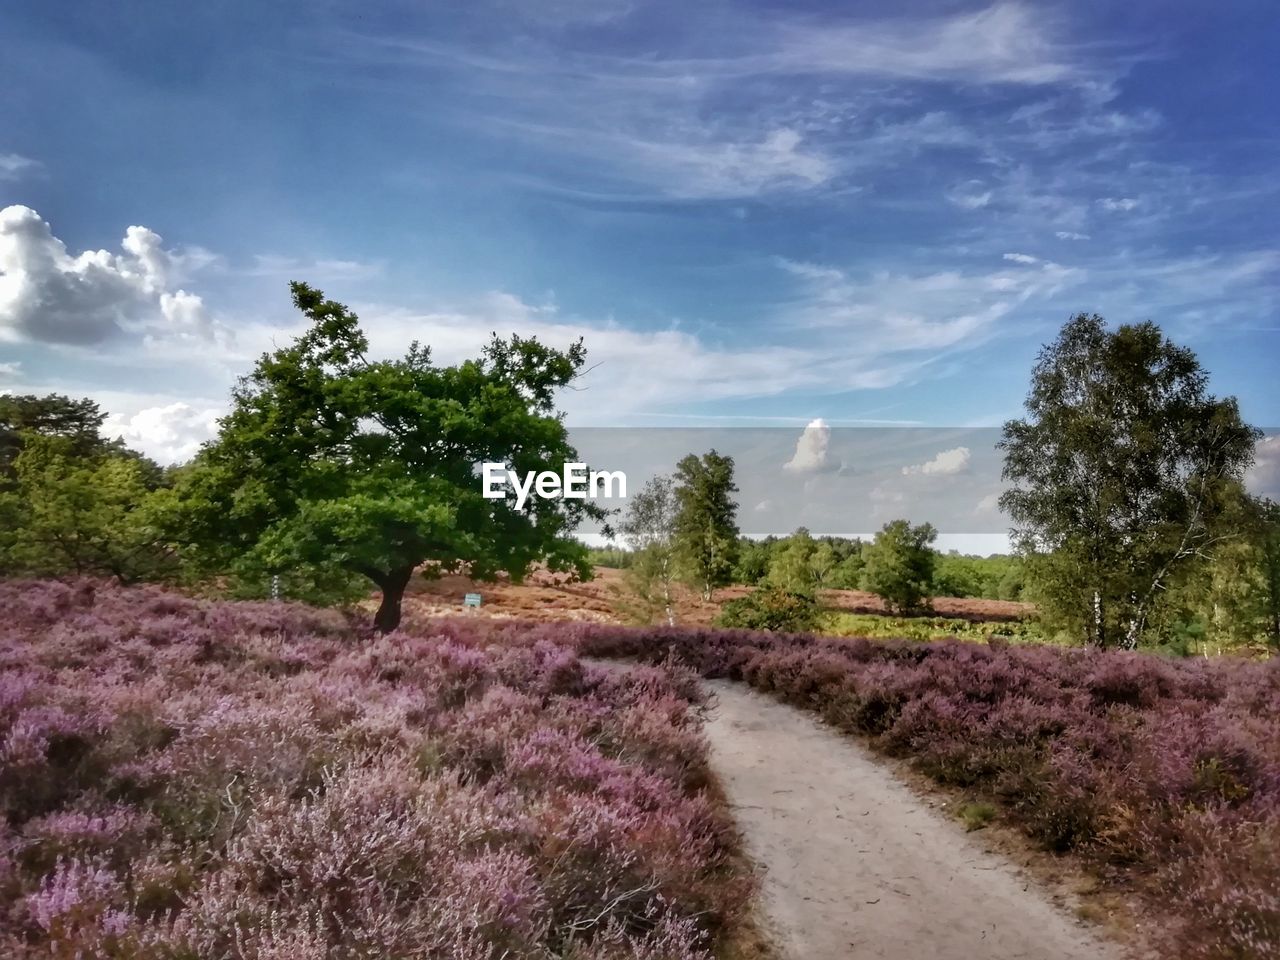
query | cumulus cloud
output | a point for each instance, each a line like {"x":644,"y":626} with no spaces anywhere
{"x":14,"y":166}
{"x":1021,"y":258}
{"x":48,"y":295}
{"x":811,"y":449}
{"x":946,"y":464}
{"x":171,"y":433}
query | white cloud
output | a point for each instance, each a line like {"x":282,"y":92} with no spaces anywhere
{"x":1263,"y":478}
{"x":1118,"y":204}
{"x":1021,"y":258}
{"x":947,"y":463}
{"x":889,"y":314}
{"x":14,"y":166}
{"x":970,"y":195}
{"x":170,"y":434}
{"x":296,"y":268}
{"x":696,"y":163}
{"x":1071,"y":235}
{"x":48,"y":295}
{"x":988,"y":505}
{"x":631,"y":370}
{"x":779,"y":103}
{"x":1005,"y":43}
{"x":560,"y":13}
{"x":811,"y":449}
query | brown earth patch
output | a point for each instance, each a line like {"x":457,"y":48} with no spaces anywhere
{"x":548,"y":597}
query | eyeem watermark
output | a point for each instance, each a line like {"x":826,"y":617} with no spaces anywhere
{"x":576,"y":482}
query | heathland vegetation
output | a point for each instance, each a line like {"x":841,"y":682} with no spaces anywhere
{"x":185,"y":776}
{"x":334,"y":474}
{"x":1162,"y":776}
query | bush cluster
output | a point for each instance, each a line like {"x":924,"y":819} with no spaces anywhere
{"x":183,"y":779}
{"x":772,"y":608}
{"x":1163,"y":775}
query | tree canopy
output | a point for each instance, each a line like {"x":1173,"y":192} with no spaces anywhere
{"x":1119,"y":469}
{"x":706,"y":523}
{"x":335,"y":462}
{"x":898,"y":565}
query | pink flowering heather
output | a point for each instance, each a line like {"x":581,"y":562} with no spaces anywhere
{"x":1163,"y":775}
{"x":187,"y":779}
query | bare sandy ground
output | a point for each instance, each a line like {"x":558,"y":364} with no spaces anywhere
{"x":546,"y":597}
{"x":857,"y":866}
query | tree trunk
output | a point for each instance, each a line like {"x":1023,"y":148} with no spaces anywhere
{"x":1099,"y":624}
{"x":393,"y":586}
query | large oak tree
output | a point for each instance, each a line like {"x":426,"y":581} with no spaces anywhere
{"x":342,"y":464}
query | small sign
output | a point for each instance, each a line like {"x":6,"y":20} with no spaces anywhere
{"x":471,"y":600}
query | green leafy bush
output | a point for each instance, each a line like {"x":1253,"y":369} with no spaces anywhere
{"x":772,"y":608}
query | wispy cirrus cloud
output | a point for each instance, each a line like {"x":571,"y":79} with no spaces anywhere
{"x":14,"y":166}
{"x":299,"y":268}
{"x":890,"y":313}
{"x":771,"y":104}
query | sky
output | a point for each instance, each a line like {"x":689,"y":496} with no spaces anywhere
{"x":754,"y":213}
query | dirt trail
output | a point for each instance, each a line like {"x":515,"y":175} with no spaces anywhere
{"x":857,"y":866}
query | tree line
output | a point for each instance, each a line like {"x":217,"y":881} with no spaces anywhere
{"x":333,"y":473}
{"x":1131,"y":521}
{"x":899,"y":564}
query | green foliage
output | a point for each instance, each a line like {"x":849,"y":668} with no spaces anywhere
{"x":1229,"y":599}
{"x":333,"y":462}
{"x":1267,"y":540}
{"x":78,"y":422}
{"x":804,"y":563}
{"x":705,"y":523}
{"x":839,"y":623}
{"x":991,"y":578}
{"x":71,"y":506}
{"x":976,"y":815}
{"x":1120,"y":469}
{"x":898,"y":566}
{"x":650,"y":528}
{"x":754,"y":557}
{"x":772,"y":608}
{"x":645,"y":596}
{"x":615,"y":558}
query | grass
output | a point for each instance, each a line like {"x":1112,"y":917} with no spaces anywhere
{"x":840,"y":623}
{"x":976,"y":815}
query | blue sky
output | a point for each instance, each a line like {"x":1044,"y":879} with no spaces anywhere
{"x":756,"y":213}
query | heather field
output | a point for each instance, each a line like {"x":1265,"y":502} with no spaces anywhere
{"x":192,"y":779}
{"x":1161,"y":776}
{"x":189,"y":779}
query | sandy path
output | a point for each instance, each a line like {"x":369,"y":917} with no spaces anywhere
{"x":856,"y":865}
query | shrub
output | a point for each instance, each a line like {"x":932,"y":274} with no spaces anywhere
{"x":771,"y":608}
{"x":898,"y":565}
{"x":182,"y":778}
{"x":1162,"y":775}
